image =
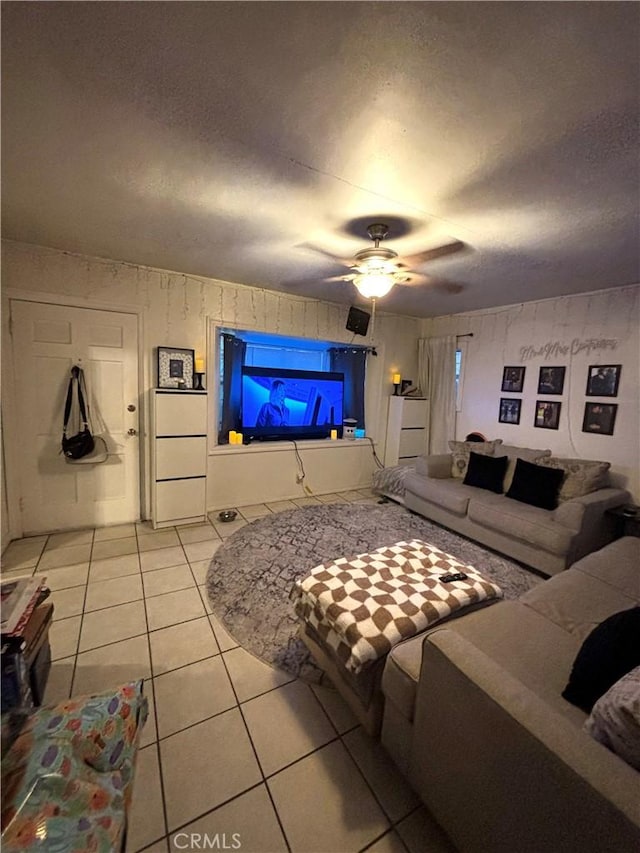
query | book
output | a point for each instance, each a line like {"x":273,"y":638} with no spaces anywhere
{"x":18,"y":598}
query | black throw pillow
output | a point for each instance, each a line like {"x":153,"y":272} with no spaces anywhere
{"x":610,"y":651}
{"x":535,"y":484}
{"x":486,"y":472}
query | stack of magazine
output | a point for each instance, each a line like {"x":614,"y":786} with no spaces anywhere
{"x":19,"y":598}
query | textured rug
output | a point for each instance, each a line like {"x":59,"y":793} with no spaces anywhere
{"x":252,"y":573}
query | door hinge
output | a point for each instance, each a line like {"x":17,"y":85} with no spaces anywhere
{"x":21,"y":504}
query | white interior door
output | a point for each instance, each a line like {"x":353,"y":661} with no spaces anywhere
{"x":47,"y":341}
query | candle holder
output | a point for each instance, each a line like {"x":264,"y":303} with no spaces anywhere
{"x":197,"y":382}
{"x":396,"y":387}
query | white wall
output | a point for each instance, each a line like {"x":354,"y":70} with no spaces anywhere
{"x":181,"y":310}
{"x":575,"y":331}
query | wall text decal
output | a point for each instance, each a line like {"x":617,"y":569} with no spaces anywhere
{"x":554,"y":349}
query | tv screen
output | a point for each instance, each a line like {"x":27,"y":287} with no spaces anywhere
{"x":284,"y":403}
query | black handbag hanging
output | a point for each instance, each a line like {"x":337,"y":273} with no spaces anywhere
{"x":78,"y":445}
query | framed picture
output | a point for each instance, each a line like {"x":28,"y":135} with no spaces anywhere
{"x":551,"y":380}
{"x":547,"y":415}
{"x":175,"y":367}
{"x":603,"y":380}
{"x":513,"y":379}
{"x":599,"y":417}
{"x":509,"y":410}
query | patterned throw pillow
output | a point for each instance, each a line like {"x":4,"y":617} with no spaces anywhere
{"x":581,"y":476}
{"x":460,"y":451}
{"x":615,"y":718}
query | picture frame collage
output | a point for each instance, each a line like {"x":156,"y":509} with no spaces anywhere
{"x":599,"y":418}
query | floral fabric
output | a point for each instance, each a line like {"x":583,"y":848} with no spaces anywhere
{"x":67,"y":778}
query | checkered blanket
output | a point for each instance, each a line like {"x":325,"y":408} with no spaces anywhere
{"x":362,"y":606}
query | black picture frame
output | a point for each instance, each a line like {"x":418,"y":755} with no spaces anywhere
{"x":175,"y":367}
{"x":547,"y":414}
{"x":513,"y":379}
{"x":603,"y":380}
{"x":551,"y":380}
{"x":509,"y":411}
{"x":599,"y":418}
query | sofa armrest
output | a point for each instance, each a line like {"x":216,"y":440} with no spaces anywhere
{"x":502,"y":770}
{"x":578,"y":511}
{"x":436,"y":465}
{"x":587,"y":516}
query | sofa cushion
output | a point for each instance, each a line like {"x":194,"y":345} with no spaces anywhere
{"x":460,"y":451}
{"x":576,"y":602}
{"x":615,"y":565}
{"x":534,"y":650}
{"x":450,"y":494}
{"x":610,"y":651}
{"x":535,"y":485}
{"x":529,"y":454}
{"x":486,"y":472}
{"x":521,"y":521}
{"x":581,"y":476}
{"x":615,"y":718}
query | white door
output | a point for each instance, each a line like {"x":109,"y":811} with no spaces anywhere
{"x":47,"y":341}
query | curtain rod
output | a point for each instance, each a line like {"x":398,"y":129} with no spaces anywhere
{"x":468,"y":335}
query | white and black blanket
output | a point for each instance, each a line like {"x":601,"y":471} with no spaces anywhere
{"x":362,"y":606}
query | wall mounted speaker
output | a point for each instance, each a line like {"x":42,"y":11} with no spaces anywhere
{"x":358,"y":321}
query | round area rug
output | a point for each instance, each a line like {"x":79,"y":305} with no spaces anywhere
{"x":252,"y":573}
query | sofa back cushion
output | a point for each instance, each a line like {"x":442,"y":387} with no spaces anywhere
{"x":581,"y":476}
{"x":486,"y":472}
{"x":460,"y":451}
{"x":535,"y":485}
{"x":529,"y":454}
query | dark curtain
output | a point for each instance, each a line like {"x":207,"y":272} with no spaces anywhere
{"x":351,"y":362}
{"x":234,"y":351}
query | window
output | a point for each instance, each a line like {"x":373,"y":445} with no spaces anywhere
{"x":238,"y":348}
{"x":461,"y":351}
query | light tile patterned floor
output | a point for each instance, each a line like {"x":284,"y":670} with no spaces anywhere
{"x":233,"y":749}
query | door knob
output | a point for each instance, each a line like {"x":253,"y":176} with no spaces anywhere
{"x":131,"y":407}
{"x":132,"y":431}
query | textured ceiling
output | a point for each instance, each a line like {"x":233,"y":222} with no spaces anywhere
{"x":243,"y":141}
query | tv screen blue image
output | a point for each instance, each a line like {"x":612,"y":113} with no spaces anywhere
{"x":284,"y":403}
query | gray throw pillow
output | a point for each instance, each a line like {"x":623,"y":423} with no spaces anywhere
{"x":615,"y":718}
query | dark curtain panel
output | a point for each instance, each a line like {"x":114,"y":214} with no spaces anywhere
{"x":234,"y":351}
{"x":351,"y":362}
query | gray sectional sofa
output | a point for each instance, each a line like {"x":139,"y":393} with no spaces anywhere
{"x":549,"y":540}
{"x":474,"y":717}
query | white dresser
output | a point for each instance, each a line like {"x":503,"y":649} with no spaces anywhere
{"x":179,"y":457}
{"x":406,"y":430}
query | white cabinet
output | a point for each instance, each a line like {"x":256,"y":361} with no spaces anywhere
{"x":179,"y":457}
{"x":406,"y":430}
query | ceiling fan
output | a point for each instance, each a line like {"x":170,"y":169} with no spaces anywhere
{"x":375,"y":270}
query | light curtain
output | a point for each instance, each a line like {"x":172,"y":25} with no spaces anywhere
{"x":437,"y":371}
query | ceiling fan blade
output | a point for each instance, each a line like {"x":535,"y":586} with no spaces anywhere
{"x":431,"y":254}
{"x":345,"y":277}
{"x":441,"y":284}
{"x":347,"y":262}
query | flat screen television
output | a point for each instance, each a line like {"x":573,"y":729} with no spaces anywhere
{"x":280,"y":403}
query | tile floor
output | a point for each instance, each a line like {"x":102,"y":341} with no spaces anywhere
{"x":234,"y":754}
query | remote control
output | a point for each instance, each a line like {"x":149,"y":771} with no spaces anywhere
{"x":456,"y":576}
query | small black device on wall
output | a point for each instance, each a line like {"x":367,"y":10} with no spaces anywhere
{"x":358,"y":321}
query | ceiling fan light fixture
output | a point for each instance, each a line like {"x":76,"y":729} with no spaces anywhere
{"x":374,"y":285}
